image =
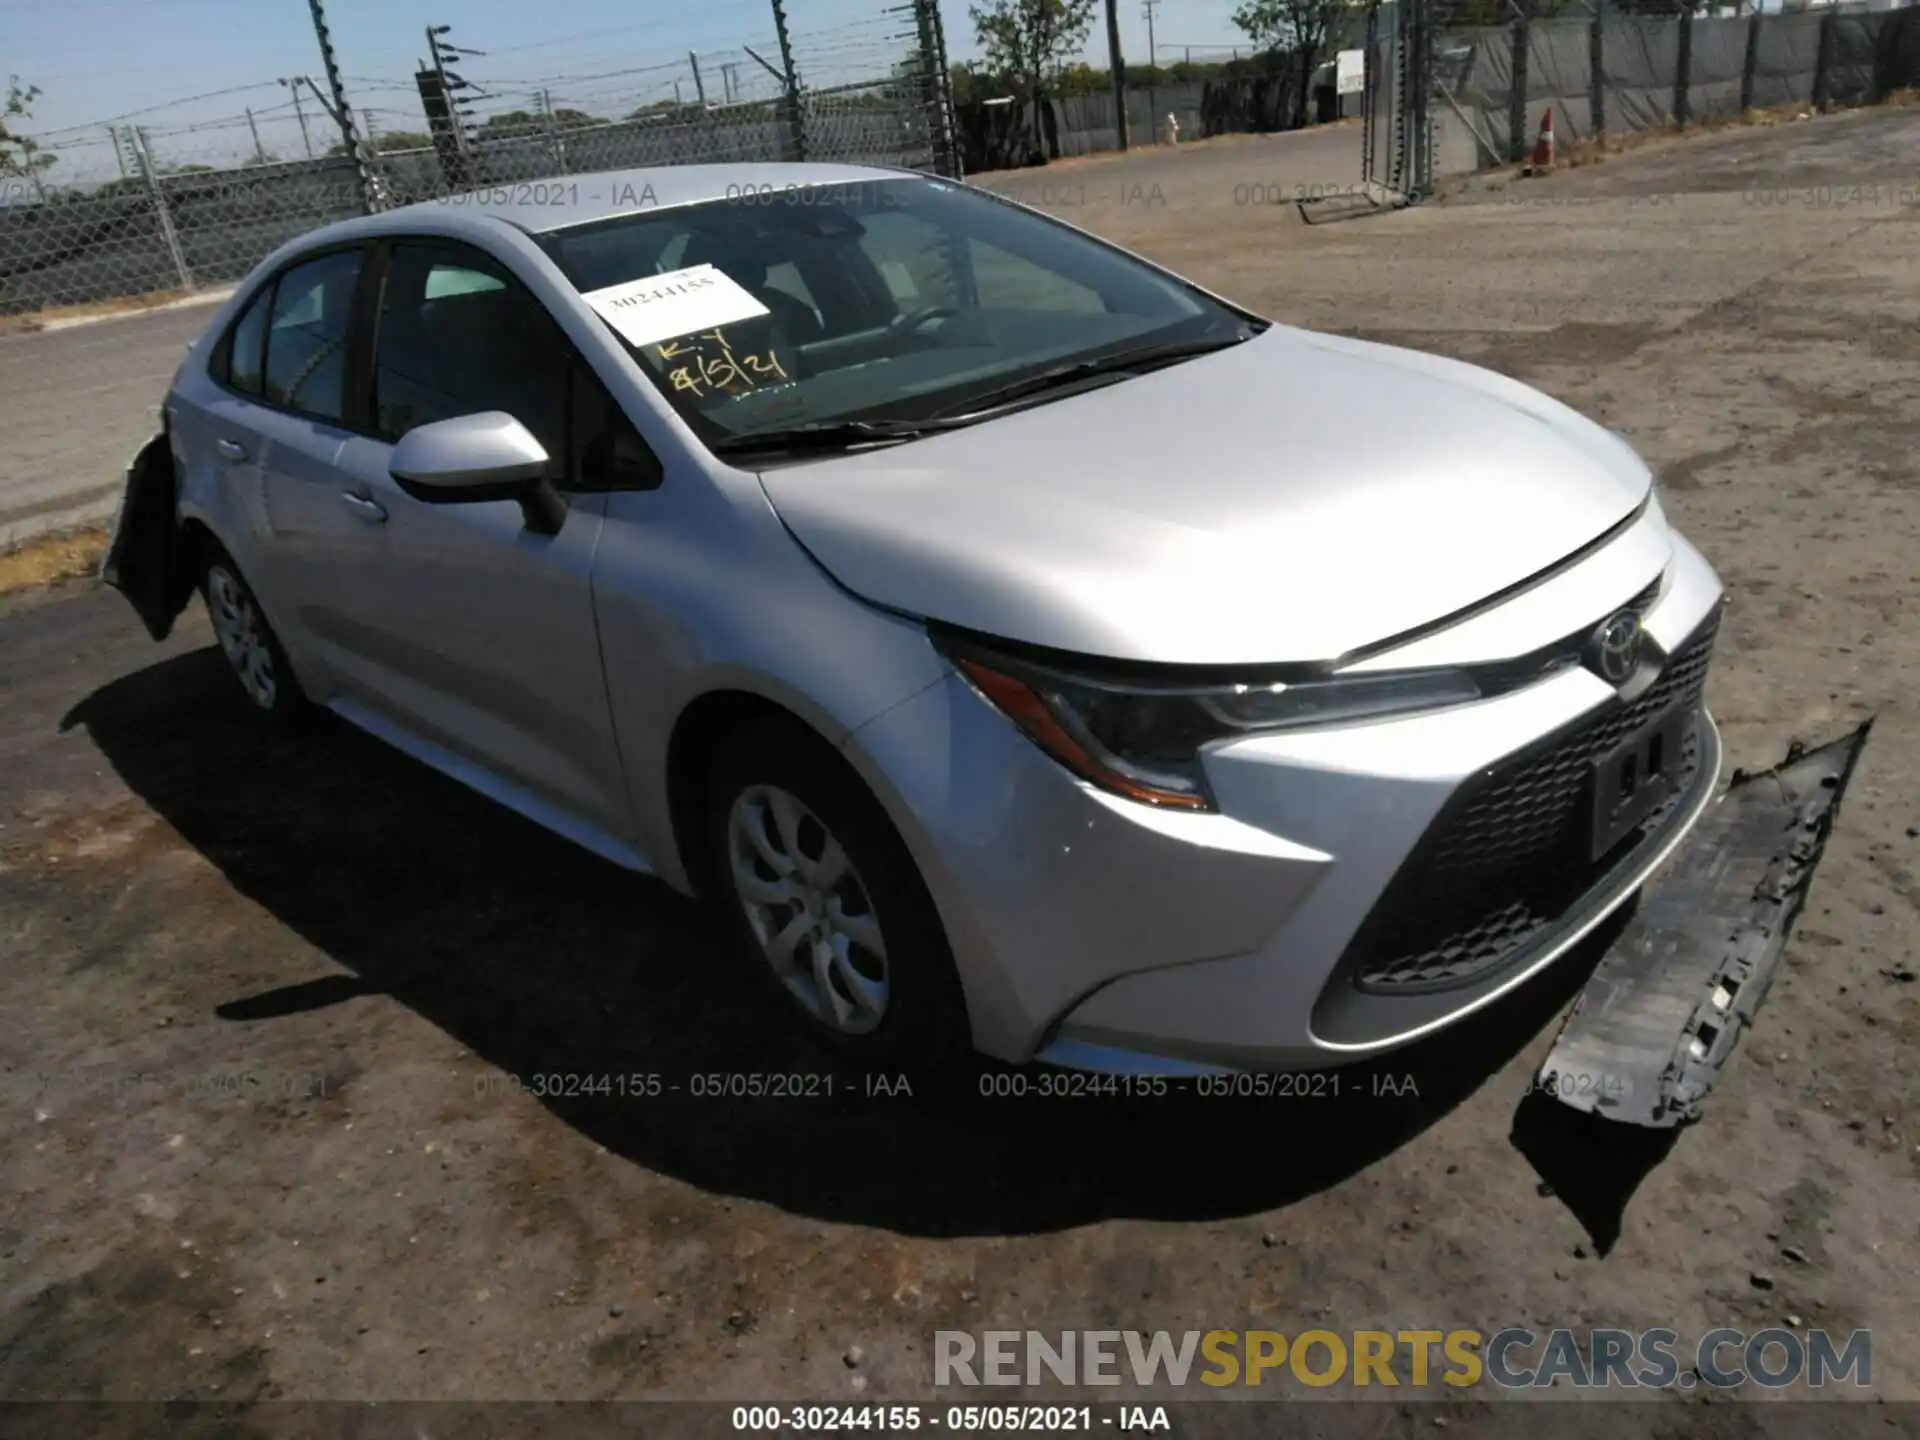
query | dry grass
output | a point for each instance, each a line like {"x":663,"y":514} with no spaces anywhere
{"x":53,"y":557}
{"x":119,"y":305}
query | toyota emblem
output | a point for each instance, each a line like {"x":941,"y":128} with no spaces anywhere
{"x":1614,"y":651}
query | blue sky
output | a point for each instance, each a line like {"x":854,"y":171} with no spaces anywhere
{"x":98,"y":60}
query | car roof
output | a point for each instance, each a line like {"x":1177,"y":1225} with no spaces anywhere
{"x":539,"y":206}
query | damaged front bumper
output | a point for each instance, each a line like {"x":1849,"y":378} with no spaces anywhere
{"x":1656,"y":1024}
{"x":148,"y":558}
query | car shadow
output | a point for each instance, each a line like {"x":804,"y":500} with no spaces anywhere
{"x":543,"y":960}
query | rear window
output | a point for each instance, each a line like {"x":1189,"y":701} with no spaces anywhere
{"x":306,"y":365}
{"x":245,"y":345}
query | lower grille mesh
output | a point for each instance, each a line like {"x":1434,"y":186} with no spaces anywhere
{"x":1512,"y":855}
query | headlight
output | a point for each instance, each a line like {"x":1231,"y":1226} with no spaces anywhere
{"x":1143,"y":739}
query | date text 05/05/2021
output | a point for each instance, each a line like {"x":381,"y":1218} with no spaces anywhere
{"x":957,"y":1419}
{"x":1310,"y":1085}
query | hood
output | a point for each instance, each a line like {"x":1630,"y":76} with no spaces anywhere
{"x":1294,"y":498}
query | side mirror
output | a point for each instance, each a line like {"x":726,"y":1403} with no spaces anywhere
{"x":473,"y":458}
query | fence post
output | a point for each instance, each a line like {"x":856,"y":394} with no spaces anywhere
{"x":1823,"y":62}
{"x":1597,"y":76}
{"x":1683,"y":74}
{"x":949,"y":112}
{"x":1117,"y":75}
{"x":1517,"y":149}
{"x":551,"y":124}
{"x":796,"y":114}
{"x":143,"y":157}
{"x":370,"y":196}
{"x":1419,"y":101}
{"x":1750,"y":66}
{"x":938,"y":95}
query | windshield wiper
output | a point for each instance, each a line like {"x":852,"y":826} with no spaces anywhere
{"x":831,"y":435}
{"x":1126,"y":362}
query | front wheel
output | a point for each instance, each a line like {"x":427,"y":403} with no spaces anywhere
{"x":827,"y":903}
{"x":253,"y":652}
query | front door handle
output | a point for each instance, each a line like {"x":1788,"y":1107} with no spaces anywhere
{"x":365,"y":506}
{"x":231,"y":449}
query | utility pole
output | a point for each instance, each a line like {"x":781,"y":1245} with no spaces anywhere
{"x":306,"y":141}
{"x":259,"y":155}
{"x":699,"y":85}
{"x":1117,"y":72}
{"x":1153,"y":75}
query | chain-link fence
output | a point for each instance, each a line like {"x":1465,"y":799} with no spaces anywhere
{"x":180,"y":209}
{"x":1445,"y":99}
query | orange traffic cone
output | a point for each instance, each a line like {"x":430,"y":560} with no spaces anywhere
{"x":1543,"y":147}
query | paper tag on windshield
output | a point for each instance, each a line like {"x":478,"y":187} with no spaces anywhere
{"x":659,"y":307}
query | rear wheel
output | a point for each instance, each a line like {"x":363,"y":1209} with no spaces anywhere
{"x":253,"y":652}
{"x":827,"y":904}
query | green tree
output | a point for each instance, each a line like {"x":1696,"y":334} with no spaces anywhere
{"x":1026,"y":41}
{"x":655,"y":108}
{"x":20,"y":154}
{"x":1301,"y":27}
{"x":511,"y":122}
{"x":528,"y":122}
{"x":392,"y":140}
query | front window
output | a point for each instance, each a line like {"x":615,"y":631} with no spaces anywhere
{"x":894,"y":301}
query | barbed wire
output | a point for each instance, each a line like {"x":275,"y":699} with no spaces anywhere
{"x":513,"y":94}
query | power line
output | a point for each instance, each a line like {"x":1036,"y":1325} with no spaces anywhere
{"x":581,"y":35}
{"x":166,"y":105}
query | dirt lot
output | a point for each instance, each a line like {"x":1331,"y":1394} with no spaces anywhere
{"x":262,"y":1002}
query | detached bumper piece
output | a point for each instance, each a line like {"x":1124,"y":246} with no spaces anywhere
{"x":1658,"y":1021}
{"x":147,"y":558}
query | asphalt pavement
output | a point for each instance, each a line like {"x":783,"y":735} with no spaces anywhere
{"x":80,"y":401}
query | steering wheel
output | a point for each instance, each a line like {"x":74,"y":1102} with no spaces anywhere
{"x":912,"y":320}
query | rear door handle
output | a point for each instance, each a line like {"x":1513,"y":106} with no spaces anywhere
{"x":365,"y":506}
{"x":231,"y":449}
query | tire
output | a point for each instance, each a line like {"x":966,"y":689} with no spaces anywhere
{"x":254,"y":655}
{"x":920,"y":1020}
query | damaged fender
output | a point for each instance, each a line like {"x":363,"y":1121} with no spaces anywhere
{"x":149,"y":559}
{"x":1656,"y":1024}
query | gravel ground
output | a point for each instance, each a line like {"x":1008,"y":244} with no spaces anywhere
{"x":264,"y":1002}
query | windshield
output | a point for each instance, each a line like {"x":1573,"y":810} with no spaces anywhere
{"x":888,"y":301}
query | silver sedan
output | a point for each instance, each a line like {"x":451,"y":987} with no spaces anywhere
{"x":1024,"y":647}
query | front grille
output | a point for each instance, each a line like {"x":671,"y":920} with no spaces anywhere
{"x":1512,"y":855}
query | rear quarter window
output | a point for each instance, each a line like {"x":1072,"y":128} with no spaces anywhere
{"x":236,"y":362}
